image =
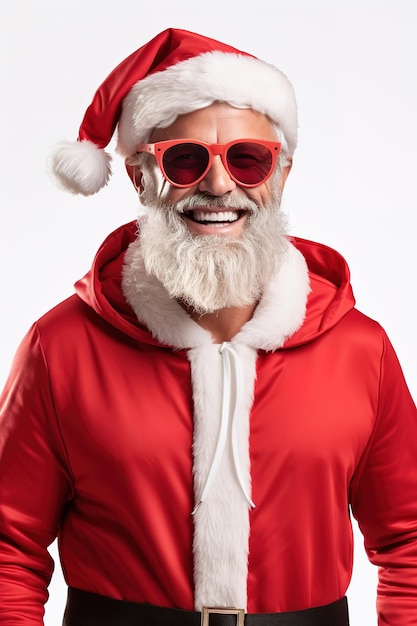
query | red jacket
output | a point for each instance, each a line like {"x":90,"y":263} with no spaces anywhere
{"x":111,"y":419}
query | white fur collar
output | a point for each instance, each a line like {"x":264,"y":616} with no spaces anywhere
{"x":279,"y":314}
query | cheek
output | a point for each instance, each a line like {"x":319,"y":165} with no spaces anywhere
{"x":261,"y":195}
{"x":174,"y":194}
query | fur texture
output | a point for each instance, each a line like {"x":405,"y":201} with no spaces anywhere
{"x":79,"y":167}
{"x":221,"y":522}
{"x":242,"y":81}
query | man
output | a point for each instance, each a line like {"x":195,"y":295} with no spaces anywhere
{"x":195,"y":423}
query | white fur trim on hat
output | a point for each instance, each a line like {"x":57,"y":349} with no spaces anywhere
{"x":79,"y":167}
{"x":242,"y":81}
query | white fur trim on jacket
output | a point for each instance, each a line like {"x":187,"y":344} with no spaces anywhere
{"x":222,"y":520}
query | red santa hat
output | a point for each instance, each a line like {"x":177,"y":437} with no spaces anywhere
{"x":176,"y":73}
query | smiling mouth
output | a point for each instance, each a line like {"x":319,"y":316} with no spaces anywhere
{"x":214,"y":217}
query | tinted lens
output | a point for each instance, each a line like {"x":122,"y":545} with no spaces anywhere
{"x":185,"y":163}
{"x":249,"y":163}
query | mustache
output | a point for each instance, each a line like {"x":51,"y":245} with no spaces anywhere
{"x":227,"y":201}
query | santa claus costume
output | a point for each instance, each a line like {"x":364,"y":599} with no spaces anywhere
{"x":181,"y":473}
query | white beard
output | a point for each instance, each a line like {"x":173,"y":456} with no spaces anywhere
{"x":212,"y":272}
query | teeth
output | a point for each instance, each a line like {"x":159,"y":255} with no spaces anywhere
{"x":221,"y":216}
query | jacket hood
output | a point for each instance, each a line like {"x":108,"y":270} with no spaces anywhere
{"x":330,"y":294}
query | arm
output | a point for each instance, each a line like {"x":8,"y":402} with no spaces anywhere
{"x":384,"y":496}
{"x":34,"y":486}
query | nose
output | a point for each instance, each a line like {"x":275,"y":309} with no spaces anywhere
{"x":217,"y":181}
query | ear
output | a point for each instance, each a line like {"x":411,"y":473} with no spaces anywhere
{"x":285,"y":170}
{"x":135,"y":176}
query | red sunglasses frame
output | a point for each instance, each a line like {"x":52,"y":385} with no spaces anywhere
{"x":159,"y":148}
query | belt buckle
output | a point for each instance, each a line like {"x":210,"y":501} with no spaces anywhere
{"x":207,"y":611}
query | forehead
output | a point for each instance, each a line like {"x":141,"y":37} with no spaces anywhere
{"x":218,"y":122}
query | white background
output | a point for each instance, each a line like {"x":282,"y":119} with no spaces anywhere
{"x":353,"y":184}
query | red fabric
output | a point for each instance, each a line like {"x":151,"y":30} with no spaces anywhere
{"x":95,"y":447}
{"x":167,"y":48}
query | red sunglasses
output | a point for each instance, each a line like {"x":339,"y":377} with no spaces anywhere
{"x":184,"y":163}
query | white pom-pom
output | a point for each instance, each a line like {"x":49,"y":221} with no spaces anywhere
{"x":79,"y":167}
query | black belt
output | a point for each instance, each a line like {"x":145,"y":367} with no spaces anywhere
{"x":90,"y":609}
